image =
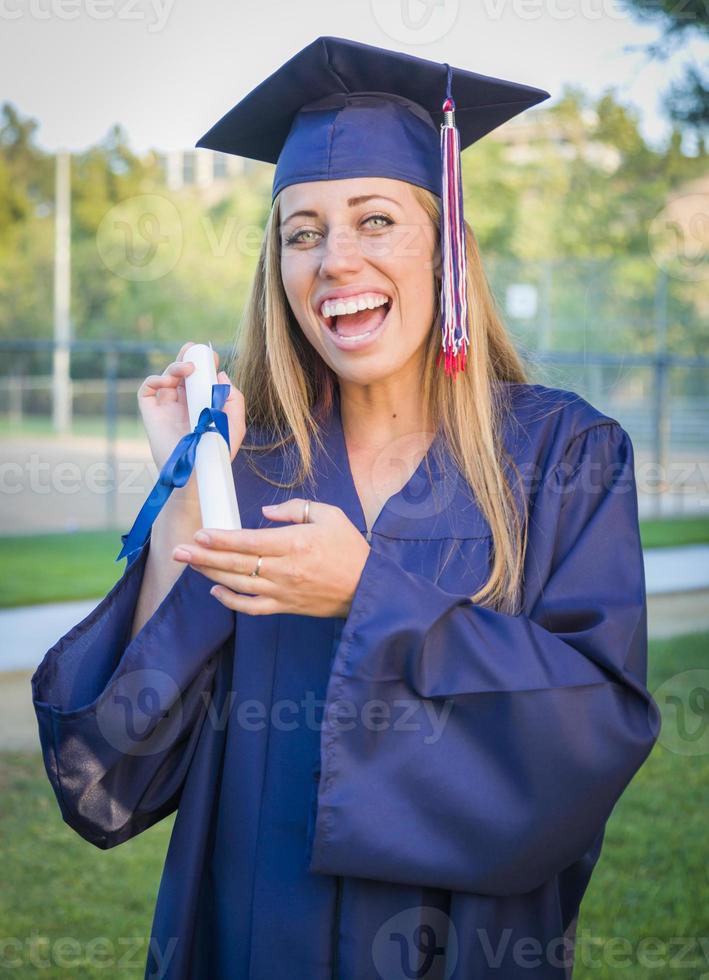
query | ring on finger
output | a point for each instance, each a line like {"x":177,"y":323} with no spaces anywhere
{"x":256,"y":570}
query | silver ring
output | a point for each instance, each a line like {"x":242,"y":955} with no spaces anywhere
{"x":258,"y":566}
{"x":306,"y":512}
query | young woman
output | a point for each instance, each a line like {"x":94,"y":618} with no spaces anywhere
{"x":395,"y":710}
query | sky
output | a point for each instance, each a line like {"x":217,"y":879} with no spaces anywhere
{"x":166,"y":70}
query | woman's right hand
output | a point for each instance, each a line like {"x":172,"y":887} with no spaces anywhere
{"x":162,"y":400}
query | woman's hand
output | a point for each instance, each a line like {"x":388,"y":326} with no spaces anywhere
{"x":163,"y":406}
{"x":310,"y":569}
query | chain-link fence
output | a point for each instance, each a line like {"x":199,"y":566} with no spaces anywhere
{"x":623,"y":333}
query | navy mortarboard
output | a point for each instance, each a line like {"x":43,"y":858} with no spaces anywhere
{"x":317,"y":113}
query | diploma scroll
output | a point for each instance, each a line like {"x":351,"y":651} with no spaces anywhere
{"x":215,"y":480}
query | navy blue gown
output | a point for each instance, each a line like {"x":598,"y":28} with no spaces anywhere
{"x":418,"y":790}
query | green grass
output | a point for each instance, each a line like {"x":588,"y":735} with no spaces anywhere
{"x":650,"y":881}
{"x":56,"y":567}
{"x":58,"y":887}
{"x":674,"y":532}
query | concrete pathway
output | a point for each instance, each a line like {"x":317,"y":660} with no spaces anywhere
{"x":26,"y":633}
{"x":671,"y":570}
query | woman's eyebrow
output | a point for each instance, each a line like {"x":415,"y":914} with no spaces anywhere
{"x":299,"y":214}
{"x":352,"y":202}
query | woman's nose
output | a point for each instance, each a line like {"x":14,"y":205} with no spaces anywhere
{"x":341,"y":252}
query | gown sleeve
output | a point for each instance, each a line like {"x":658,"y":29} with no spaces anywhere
{"x":504,"y":741}
{"x":119,"y":719}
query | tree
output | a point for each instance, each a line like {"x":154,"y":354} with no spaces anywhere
{"x":687,"y":101}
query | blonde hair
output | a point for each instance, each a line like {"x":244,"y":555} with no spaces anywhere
{"x":288,"y":389}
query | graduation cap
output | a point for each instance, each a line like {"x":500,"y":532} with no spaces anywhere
{"x":340,"y":109}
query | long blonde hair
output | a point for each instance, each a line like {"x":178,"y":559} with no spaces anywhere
{"x":284,"y":380}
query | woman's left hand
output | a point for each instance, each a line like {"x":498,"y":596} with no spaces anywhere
{"x":310,"y":569}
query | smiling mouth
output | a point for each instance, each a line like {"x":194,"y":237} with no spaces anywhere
{"x":355,"y":326}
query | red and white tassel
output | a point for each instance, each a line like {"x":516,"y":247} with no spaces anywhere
{"x":454,"y":298}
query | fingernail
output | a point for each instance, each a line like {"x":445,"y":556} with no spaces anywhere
{"x":202,"y":537}
{"x":182,"y":553}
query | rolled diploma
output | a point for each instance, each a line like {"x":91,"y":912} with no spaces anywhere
{"x":215,"y":480}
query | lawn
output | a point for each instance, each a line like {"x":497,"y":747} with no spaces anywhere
{"x":57,"y":567}
{"x":81,"y":565}
{"x":672,"y":533}
{"x":650,"y":882}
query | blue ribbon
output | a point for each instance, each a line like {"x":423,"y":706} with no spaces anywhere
{"x":176,"y":472}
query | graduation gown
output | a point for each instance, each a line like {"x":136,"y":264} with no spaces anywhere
{"x":419,"y":789}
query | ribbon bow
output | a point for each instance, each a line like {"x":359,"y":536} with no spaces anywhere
{"x":176,"y":472}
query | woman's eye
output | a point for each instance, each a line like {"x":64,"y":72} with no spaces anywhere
{"x":297,"y":238}
{"x":379,"y":217}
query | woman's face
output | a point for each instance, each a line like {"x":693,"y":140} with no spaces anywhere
{"x":362,"y":244}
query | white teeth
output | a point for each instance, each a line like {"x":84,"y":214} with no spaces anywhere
{"x":357,"y":336}
{"x":352,"y":304}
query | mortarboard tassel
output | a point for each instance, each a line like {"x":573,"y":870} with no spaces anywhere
{"x":454,"y":300}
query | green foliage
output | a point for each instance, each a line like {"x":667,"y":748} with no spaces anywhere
{"x":584,"y":195}
{"x":687,"y":99}
{"x":675,"y":19}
